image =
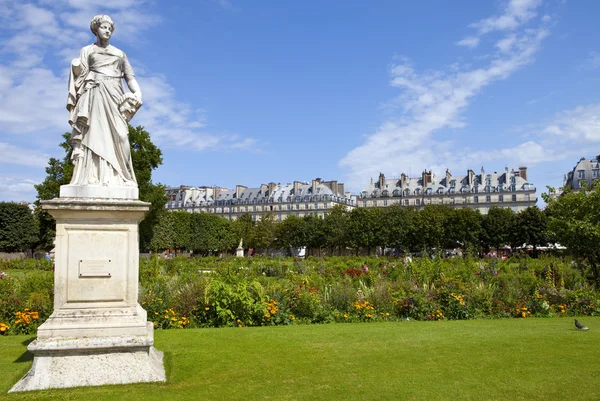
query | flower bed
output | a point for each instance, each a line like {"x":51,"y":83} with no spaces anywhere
{"x":238,"y":292}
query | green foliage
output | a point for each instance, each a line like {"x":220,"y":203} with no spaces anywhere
{"x":145,"y":157}
{"x":260,"y":291}
{"x":574,"y":218}
{"x":336,"y":226}
{"x":428,"y":228}
{"x":209,"y":234}
{"x":18,"y":229}
{"x":497,"y":226}
{"x":264,"y":232}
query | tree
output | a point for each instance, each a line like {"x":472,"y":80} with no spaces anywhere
{"x":209,"y":234}
{"x":18,"y":229}
{"x":314,"y":232}
{"x":428,"y":228}
{"x":530,"y":228}
{"x":398,"y":221}
{"x":336,"y":227}
{"x":362,"y":229}
{"x":172,"y":231}
{"x":496,"y":227}
{"x":145,"y":157}
{"x":574,"y":218}
{"x":242,"y":230}
{"x":264,"y":233}
{"x":464,"y":229}
{"x":291,"y":233}
{"x":59,"y":173}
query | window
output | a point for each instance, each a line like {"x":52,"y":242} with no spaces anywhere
{"x":452,"y":183}
{"x":417,"y":202}
{"x":297,"y":206}
{"x":476,"y":199}
{"x":488,"y":198}
{"x":385,"y":202}
{"x":596,"y":173}
{"x":514,"y":198}
{"x":580,"y":173}
{"x":406,"y":202}
{"x":500,"y":198}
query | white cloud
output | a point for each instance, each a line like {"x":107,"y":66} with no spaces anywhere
{"x":15,"y":188}
{"x":34,"y":97}
{"x":10,"y":154}
{"x":175,"y":124}
{"x":34,"y":102}
{"x":433,"y":101}
{"x":516,"y":13}
{"x":471,"y":42}
{"x":580,"y":125}
{"x":592,"y":62}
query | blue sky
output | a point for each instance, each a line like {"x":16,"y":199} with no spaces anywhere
{"x":245,"y":92}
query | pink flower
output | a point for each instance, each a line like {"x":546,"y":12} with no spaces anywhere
{"x":365,"y":268}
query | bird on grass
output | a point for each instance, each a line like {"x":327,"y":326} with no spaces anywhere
{"x":580,"y":326}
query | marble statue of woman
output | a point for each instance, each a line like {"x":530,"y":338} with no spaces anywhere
{"x":100,"y":110}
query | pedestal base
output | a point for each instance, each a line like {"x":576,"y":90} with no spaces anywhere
{"x":98,"y":192}
{"x":93,"y":361}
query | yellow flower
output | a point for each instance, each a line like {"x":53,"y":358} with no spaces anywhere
{"x":206,"y":308}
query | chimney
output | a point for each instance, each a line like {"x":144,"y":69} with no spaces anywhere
{"x":381,"y":181}
{"x":334,"y":187}
{"x":340,"y":188}
{"x":217,"y":192}
{"x":238,"y":190}
{"x":426,"y":178}
{"x":315,"y":183}
{"x":263,"y":188}
{"x":272,"y":186}
{"x":448,"y":175}
{"x":471,"y":175}
{"x":296,"y":187}
{"x":523,"y":172}
{"x":403,"y":178}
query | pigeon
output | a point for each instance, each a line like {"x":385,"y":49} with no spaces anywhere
{"x":580,"y":326}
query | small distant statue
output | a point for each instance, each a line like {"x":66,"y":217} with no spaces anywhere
{"x":239,"y":252}
{"x":100,"y":110}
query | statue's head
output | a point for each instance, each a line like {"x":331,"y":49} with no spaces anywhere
{"x":99,"y":20}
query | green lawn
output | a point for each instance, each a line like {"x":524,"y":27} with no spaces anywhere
{"x":512,"y":359}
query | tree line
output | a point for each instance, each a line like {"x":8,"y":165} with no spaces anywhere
{"x":433,"y":228}
{"x":572,"y":219}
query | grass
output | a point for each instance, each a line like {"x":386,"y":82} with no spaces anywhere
{"x":514,"y":359}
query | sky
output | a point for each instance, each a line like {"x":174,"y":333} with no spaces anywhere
{"x":250,"y":92}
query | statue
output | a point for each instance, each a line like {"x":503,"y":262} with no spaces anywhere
{"x":100,"y":110}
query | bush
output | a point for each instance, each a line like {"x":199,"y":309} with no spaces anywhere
{"x":213,"y":292}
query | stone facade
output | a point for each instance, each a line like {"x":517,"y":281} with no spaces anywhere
{"x":281,"y":200}
{"x":476,"y":191}
{"x":585,"y":172}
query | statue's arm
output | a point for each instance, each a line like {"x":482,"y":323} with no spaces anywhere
{"x":129,"y":76}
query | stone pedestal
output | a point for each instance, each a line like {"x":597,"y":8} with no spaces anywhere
{"x":239,"y":252}
{"x":98,"y":333}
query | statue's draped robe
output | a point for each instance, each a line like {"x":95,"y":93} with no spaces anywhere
{"x":101,"y":151}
